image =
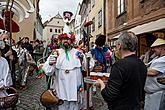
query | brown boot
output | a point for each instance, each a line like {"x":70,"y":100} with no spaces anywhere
{"x":91,"y":108}
{"x":23,"y":88}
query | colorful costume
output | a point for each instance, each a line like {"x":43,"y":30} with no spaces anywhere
{"x":66,"y":71}
{"x":100,"y":52}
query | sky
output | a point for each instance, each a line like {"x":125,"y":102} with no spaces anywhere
{"x":50,"y":8}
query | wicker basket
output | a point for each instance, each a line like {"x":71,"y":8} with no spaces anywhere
{"x":49,"y":98}
{"x":8,"y":98}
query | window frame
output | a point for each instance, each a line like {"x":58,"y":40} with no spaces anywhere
{"x":51,"y":30}
{"x":56,"y":31}
{"x":100,"y":18}
{"x":93,"y":25}
{"x":121,"y":7}
{"x":93,"y":3}
{"x":59,"y":30}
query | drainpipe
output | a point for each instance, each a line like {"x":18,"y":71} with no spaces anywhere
{"x":104,"y":16}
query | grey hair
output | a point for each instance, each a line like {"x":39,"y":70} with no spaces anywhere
{"x":129,"y":41}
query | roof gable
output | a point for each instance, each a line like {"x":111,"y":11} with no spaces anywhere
{"x":58,"y":16}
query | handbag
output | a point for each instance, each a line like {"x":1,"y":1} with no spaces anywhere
{"x":8,"y":97}
{"x":49,"y":98}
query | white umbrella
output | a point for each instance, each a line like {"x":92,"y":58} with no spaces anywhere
{"x":19,"y":9}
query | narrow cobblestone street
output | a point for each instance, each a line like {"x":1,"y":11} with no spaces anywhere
{"x":30,"y":98}
{"x":117,"y":46}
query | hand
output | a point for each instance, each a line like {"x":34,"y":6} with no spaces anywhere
{"x":98,"y":68}
{"x":89,"y":55}
{"x":11,"y":57}
{"x":101,"y":83}
{"x":8,"y":53}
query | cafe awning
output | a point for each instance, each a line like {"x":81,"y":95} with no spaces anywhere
{"x":149,"y":27}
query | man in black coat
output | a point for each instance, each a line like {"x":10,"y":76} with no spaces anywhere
{"x":10,"y":55}
{"x":28,"y":46}
{"x":127,"y":78}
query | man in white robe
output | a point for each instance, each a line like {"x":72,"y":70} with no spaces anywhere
{"x":68,"y":80}
{"x":5,"y":75}
{"x":155,"y":92}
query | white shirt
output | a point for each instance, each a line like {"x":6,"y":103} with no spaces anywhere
{"x":152,"y":85}
{"x":5,"y":75}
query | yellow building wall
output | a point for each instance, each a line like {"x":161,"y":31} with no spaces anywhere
{"x":28,"y":24}
{"x":27,"y":27}
{"x":55,"y":23}
{"x":99,"y":4}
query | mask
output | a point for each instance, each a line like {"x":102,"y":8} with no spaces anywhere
{"x":2,"y":44}
{"x":66,"y":45}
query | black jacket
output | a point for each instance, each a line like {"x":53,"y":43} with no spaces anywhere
{"x":29,"y":47}
{"x":11,"y":63}
{"x":125,"y":85}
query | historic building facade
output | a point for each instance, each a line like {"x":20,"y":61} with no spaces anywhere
{"x":28,"y":25}
{"x":77,"y":25}
{"x":26,"y":15}
{"x":146,"y":18}
{"x":95,"y":11}
{"x":54,"y":26}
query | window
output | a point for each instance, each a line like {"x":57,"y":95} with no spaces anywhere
{"x":58,"y":22}
{"x":93,"y":3}
{"x":120,"y":7}
{"x":59,"y":31}
{"x":100,"y":18}
{"x":50,"y":30}
{"x":89,"y":7}
{"x":89,"y":29}
{"x":77,"y":32}
{"x":93,"y":25}
{"x":55,"y":30}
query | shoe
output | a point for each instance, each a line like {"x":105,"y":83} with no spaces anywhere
{"x":91,"y":108}
{"x":18,"y":102}
{"x":23,"y":88}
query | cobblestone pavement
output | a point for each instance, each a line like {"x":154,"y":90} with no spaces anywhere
{"x":98,"y":102}
{"x":30,"y":98}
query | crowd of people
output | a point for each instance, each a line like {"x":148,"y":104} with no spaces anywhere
{"x":20,"y":56}
{"x":132,"y":79}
